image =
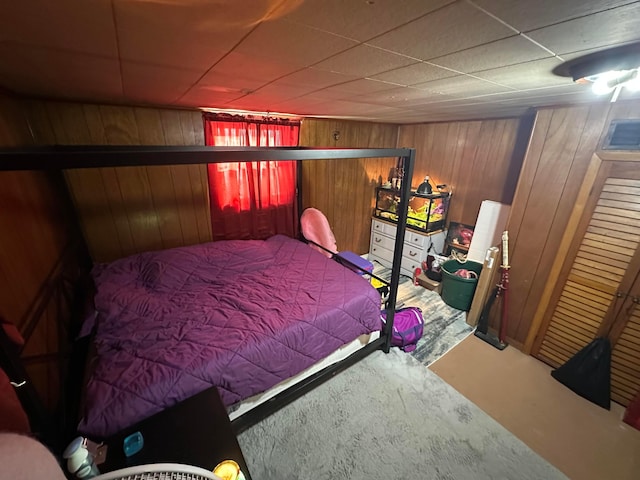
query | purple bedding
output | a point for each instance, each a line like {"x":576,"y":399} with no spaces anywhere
{"x":238,"y":315}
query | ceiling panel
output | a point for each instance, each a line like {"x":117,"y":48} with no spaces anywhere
{"x":61,"y":74}
{"x":361,"y":20}
{"x":462,"y":86}
{"x":304,"y":46}
{"x":527,"y":15}
{"x":241,"y":72}
{"x":614,"y":26}
{"x":496,"y":54}
{"x":364,"y":61}
{"x":535,"y":74}
{"x":64,"y":25}
{"x":171,"y":34}
{"x":154,"y":84}
{"x":443,"y":31}
{"x":316,"y":77}
{"x":360,"y":86}
{"x":200,"y":97}
{"x":406,"y":97}
{"x":417,"y":73}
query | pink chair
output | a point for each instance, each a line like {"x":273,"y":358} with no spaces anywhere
{"x":316,"y":230}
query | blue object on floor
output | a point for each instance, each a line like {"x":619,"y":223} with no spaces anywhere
{"x":133,"y":444}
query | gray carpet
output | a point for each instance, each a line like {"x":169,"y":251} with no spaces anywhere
{"x":444,"y":326}
{"x":387,"y":417}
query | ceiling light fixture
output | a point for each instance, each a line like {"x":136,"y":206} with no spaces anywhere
{"x":606,"y":71}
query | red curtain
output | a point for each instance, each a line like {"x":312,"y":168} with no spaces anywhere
{"x":252,"y":200}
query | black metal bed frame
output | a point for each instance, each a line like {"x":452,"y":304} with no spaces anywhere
{"x":67,"y":157}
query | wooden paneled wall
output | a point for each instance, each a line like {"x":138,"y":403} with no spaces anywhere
{"x":131,"y":209}
{"x":478,"y":160}
{"x":345,"y":189}
{"x":561,"y":146}
{"x":37,"y":227}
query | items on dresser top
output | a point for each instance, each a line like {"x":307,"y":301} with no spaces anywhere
{"x":416,"y":246}
{"x":426,"y":212}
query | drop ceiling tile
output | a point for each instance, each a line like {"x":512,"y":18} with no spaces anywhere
{"x":462,"y":86}
{"x":145,"y":83}
{"x":254,"y":102}
{"x":300,"y":106}
{"x":338,"y":108}
{"x":360,"y":20}
{"x":278,"y":92}
{"x":298,"y":44}
{"x":417,"y":73}
{"x":316,"y":77}
{"x":86,"y":27}
{"x":401,"y":97}
{"x":207,"y":98}
{"x":618,"y":25}
{"x":553,"y":100}
{"x":501,"y":53}
{"x":535,"y":74}
{"x":364,"y":61}
{"x":59,"y":74}
{"x":626,"y":94}
{"x":179,"y":35}
{"x":543,"y":96}
{"x":455,"y":27}
{"x":244,"y":71}
{"x":527,"y":15}
{"x":358,"y":87}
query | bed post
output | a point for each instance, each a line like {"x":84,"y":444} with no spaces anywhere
{"x":407,"y":162}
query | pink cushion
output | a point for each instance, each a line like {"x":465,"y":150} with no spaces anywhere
{"x":315,"y":227}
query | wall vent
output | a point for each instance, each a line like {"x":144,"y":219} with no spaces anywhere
{"x":623,"y":135}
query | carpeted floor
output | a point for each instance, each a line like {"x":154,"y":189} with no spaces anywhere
{"x":444,"y":326}
{"x":387,"y":417}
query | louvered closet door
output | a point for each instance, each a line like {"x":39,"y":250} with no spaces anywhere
{"x":600,"y":270}
{"x":625,"y":358}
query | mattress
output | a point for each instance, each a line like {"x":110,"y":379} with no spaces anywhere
{"x":238,"y":315}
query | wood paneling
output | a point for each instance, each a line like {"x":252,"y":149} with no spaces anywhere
{"x":557,"y":161}
{"x":37,"y":225}
{"x":133,"y":209}
{"x":345,"y":189}
{"x":478,"y":160}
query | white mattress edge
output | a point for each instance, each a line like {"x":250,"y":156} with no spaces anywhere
{"x":337,"y":356}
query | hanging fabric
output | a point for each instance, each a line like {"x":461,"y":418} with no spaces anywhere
{"x":588,"y":372}
{"x":253,"y":200}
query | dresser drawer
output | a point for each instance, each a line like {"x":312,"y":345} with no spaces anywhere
{"x":382,"y":227}
{"x":409,"y":266}
{"x":379,"y":240}
{"x":382,"y":255}
{"x":412,"y":252}
{"x":414,"y":238}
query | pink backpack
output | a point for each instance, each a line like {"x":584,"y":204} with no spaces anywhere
{"x":408,"y":326}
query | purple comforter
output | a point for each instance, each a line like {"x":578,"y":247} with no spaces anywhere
{"x":238,"y":315}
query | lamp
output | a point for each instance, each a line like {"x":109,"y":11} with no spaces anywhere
{"x":607,"y":70}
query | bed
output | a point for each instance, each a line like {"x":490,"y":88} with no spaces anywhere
{"x":122,"y":388}
{"x":239,"y":315}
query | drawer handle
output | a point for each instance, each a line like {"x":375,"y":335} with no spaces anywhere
{"x":412,"y":254}
{"x":374,"y":249}
{"x":377,"y":240}
{"x":416,"y":239}
{"x":377,"y":227}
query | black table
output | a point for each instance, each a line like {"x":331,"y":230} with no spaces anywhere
{"x":194,"y":432}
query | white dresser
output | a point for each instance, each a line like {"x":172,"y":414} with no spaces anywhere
{"x":416,"y":245}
